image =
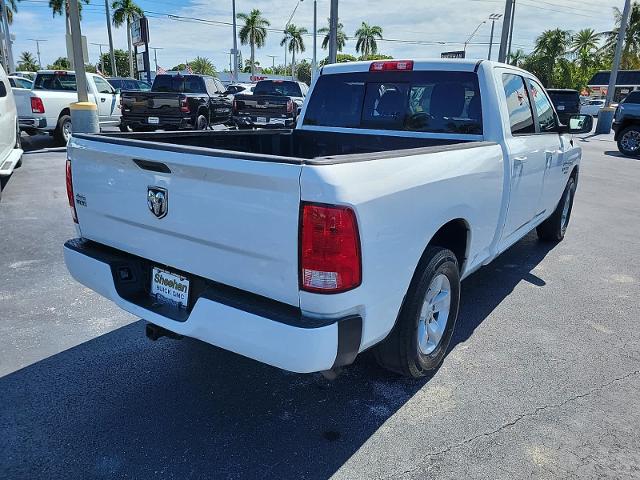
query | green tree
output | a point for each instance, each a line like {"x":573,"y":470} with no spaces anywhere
{"x":61,"y":7}
{"x":202,"y":66}
{"x":303,"y":72}
{"x":340,"y":58}
{"x":61,"y":63}
{"x":551,"y":46}
{"x":585,"y":45}
{"x":122,"y":63}
{"x":376,"y":56}
{"x":253,"y":32}
{"x":248,"y":66}
{"x":12,"y":7}
{"x":294,"y":42}
{"x":367,"y":35}
{"x":27,"y":62}
{"x":516,"y":58}
{"x":341,"y":38}
{"x":125,"y":11}
{"x":631,"y":49}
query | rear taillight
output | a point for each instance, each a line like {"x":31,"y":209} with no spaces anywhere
{"x":289,"y":106}
{"x":36,"y":105}
{"x":184,"y":106}
{"x":391,"y":65}
{"x":329,"y":249}
{"x":72,"y":202}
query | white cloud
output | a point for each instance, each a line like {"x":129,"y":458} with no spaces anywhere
{"x":418,"y":20}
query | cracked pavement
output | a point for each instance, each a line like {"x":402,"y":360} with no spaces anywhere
{"x":542,"y":380}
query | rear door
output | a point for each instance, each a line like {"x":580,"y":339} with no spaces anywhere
{"x":7,"y":117}
{"x":106,"y":99}
{"x":527,"y":154}
{"x":232,"y":219}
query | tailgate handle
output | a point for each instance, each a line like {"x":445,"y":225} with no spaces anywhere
{"x":152,"y":166}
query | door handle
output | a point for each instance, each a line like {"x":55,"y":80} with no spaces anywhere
{"x":103,"y":100}
{"x":519,"y":160}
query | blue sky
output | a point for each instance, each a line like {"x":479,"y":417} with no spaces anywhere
{"x":403,"y":22}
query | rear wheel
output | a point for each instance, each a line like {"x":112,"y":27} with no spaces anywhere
{"x":63,"y":131}
{"x":125,"y":128}
{"x":18,"y":143}
{"x":629,"y":141}
{"x":419,"y":341}
{"x":554,"y":228}
{"x":202,"y":123}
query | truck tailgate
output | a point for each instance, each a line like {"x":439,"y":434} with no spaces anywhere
{"x":231,"y":220}
{"x":151,"y":103}
{"x":262,"y":105}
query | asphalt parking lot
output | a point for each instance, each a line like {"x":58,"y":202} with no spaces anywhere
{"x":542,"y":380}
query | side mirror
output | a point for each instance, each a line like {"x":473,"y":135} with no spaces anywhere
{"x":580,"y":124}
{"x":117,"y":91}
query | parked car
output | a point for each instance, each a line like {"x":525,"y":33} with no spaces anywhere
{"x":301,"y":248}
{"x":244,"y":88}
{"x":46,"y":107}
{"x":28,"y":75}
{"x":129,"y":84}
{"x":626,"y":124}
{"x":566,"y":101}
{"x":177,"y":102}
{"x":20,"y":82}
{"x":592,"y":107}
{"x":274,"y":103}
{"x":10,"y":143}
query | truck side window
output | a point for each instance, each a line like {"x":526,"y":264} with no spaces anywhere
{"x":3,"y":89}
{"x":102,"y":85}
{"x":544,"y":110}
{"x":520,"y":116}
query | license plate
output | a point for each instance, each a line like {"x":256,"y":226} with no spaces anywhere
{"x":153,"y":120}
{"x":560,"y":107}
{"x":169,"y":287}
{"x":261,"y":120}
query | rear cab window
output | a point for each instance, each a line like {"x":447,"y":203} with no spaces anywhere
{"x":633,"y":97}
{"x":278,"y":87}
{"x":420,"y":101}
{"x":179,"y":84}
{"x":60,"y":81}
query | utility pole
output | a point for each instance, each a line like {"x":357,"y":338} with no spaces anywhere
{"x":114,"y":68}
{"x":38,"y":40}
{"x":605,"y":115}
{"x":100,"y":45}
{"x":314,"y":64}
{"x":513,"y":17}
{"x":471,"y":36}
{"x":333,"y":32}
{"x":3,"y":56}
{"x":155,"y":55}
{"x":493,"y":17}
{"x":506,"y":28}
{"x":9,"y":63}
{"x":273,"y":62}
{"x":235,"y":43}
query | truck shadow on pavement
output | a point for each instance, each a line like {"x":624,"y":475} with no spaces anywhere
{"x":120,"y":406}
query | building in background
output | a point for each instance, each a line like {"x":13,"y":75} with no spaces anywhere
{"x":627,"y":81}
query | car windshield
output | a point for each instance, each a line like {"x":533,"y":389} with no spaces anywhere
{"x":277,"y":87}
{"x":55,"y":81}
{"x":178,"y":84}
{"x":422,"y":101}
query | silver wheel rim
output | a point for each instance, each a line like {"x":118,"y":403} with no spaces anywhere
{"x":434,"y":315}
{"x":631,"y":141}
{"x":66,"y":131}
{"x":565,"y":211}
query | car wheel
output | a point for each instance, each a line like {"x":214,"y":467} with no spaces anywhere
{"x":125,"y":128}
{"x":554,"y":228}
{"x":419,"y":341}
{"x":202,"y":123}
{"x":18,"y":144}
{"x":63,"y":130}
{"x":629,"y":141}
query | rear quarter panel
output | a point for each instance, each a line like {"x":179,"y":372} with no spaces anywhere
{"x":400,"y":204}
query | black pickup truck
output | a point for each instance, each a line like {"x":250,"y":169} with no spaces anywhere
{"x":176,"y":102}
{"x":274,"y":103}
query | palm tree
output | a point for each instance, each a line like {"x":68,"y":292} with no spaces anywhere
{"x":631,"y":48}
{"x":584,"y":45}
{"x":12,"y":7}
{"x":516,"y":58}
{"x":293,"y":38}
{"x":60,"y":7}
{"x":202,"y":66}
{"x":551,"y":46}
{"x":27,"y":62}
{"x":253,"y":32}
{"x":366,"y":35}
{"x":341,"y":39}
{"x":126,"y":11}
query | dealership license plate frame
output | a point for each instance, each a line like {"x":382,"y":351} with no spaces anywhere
{"x":153,"y":120}
{"x":168,"y":294}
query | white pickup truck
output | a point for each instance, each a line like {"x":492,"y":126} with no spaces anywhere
{"x":301,"y":248}
{"x":46,"y":107}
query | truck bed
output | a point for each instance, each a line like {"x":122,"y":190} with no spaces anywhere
{"x":282,"y":145}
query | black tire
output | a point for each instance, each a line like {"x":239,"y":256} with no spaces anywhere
{"x":629,"y":141}
{"x":18,"y":144}
{"x":400,"y":351}
{"x":125,"y":128}
{"x":202,"y":122}
{"x":554,"y":228}
{"x":61,"y":132}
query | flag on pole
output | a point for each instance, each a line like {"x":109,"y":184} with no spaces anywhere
{"x":189,"y":69}
{"x":160,"y":70}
